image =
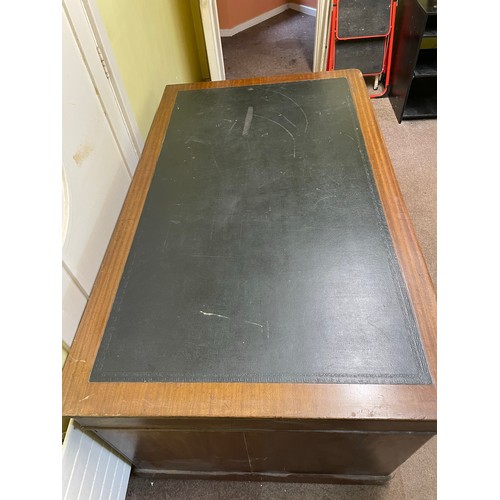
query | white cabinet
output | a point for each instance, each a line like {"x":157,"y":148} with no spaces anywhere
{"x":73,"y":304}
{"x":96,"y":175}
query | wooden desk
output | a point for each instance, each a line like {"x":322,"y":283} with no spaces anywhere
{"x":341,"y":388}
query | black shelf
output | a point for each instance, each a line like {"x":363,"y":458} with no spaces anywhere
{"x":430,"y":29}
{"x":421,"y":107}
{"x":421,"y":101}
{"x":413,"y":85}
{"x":426,"y":65}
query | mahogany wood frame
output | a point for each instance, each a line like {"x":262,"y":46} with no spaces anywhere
{"x":370,"y":407}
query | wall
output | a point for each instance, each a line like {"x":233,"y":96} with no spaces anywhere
{"x":154,"y":43}
{"x":232,"y":13}
{"x":308,"y":3}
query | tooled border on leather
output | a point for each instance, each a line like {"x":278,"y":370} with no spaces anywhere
{"x":423,"y":375}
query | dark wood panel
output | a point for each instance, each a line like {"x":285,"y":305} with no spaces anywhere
{"x":180,"y":450}
{"x":343,"y":453}
{"x":257,"y":424}
{"x":348,"y":453}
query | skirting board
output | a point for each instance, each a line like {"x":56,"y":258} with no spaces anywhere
{"x":265,"y":16}
{"x":310,"y":11}
{"x":289,"y":477}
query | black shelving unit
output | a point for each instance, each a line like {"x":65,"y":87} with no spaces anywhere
{"x":413,"y":86}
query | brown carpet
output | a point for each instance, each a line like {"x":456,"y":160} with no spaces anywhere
{"x":281,"y":45}
{"x":412,"y":148}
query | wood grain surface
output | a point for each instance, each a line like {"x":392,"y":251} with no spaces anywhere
{"x":356,"y":402}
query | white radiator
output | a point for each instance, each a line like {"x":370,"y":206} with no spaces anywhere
{"x":90,"y":469}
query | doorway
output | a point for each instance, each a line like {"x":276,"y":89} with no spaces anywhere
{"x":283,"y":44}
{"x":214,"y":45}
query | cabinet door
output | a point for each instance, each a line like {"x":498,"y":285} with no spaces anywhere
{"x":73,"y":304}
{"x":96,"y":175}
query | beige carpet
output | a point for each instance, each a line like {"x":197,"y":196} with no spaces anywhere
{"x":412,"y":148}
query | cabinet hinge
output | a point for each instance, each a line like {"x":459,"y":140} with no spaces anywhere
{"x":103,"y":61}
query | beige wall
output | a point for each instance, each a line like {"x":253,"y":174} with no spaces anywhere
{"x":154,"y":43}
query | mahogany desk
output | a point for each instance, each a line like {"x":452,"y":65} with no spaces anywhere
{"x":263,"y":309}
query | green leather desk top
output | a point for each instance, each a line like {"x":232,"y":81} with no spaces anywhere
{"x":262,"y":253}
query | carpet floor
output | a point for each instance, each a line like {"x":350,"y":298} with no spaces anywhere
{"x":281,"y":45}
{"x":284,"y":45}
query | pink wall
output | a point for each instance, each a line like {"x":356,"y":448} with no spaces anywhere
{"x":307,"y":3}
{"x":234,"y":12}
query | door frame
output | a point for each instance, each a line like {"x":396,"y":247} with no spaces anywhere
{"x":211,"y":30}
{"x":321,"y":39}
